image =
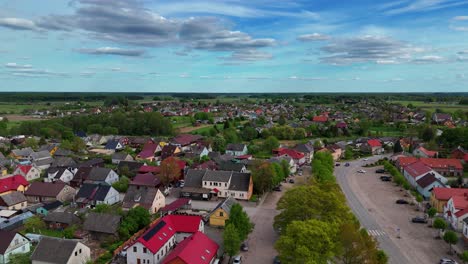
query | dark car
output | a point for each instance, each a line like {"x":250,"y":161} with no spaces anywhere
{"x":380,"y":171}
{"x":401,"y":201}
{"x":418,"y":219}
{"x":385,"y":178}
{"x":276,"y":260}
{"x":346,"y":164}
{"x":337,"y":164}
{"x":244,"y":247}
{"x":277,"y":189}
{"x":291,"y":181}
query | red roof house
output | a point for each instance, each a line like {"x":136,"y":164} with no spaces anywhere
{"x":320,"y":119}
{"x":298,"y":157}
{"x":148,"y":151}
{"x":446,"y":167}
{"x":423,"y":152}
{"x":405,"y":161}
{"x":417,"y":169}
{"x":186,"y":139}
{"x":147,"y":168}
{"x":374,"y":143}
{"x":196,"y":249}
{"x":146,"y":179}
{"x":13,"y":183}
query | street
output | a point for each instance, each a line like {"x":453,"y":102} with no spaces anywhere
{"x":365,"y":218}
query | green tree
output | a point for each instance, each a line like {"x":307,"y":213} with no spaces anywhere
{"x":282,"y":120}
{"x":431,"y":213}
{"x":397,"y":147}
{"x":249,"y":133}
{"x":464,"y":256}
{"x":348,"y":153}
{"x":69,"y":232}
{"x":31,"y":142}
{"x":231,"y":136}
{"x":439,"y":224}
{"x":102,"y":208}
{"x":270,"y":144}
{"x":34,"y":224}
{"x":122,"y":184}
{"x":427,"y":134}
{"x":239,"y":218}
{"x":231,"y":240}
{"x":285,"y":167}
{"x":310,"y":241}
{"x":451,"y":238}
{"x":262,"y":175}
{"x":356,"y":246}
{"x":382,"y":257}
{"x":136,"y":219}
{"x":21,"y":258}
{"x":219,"y":144}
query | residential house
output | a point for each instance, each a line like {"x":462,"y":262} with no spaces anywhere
{"x":170,"y":151}
{"x":185,"y":141}
{"x":48,"y":207}
{"x":23,"y":153}
{"x":96,"y":162}
{"x":13,"y":201}
{"x":465,"y":230}
{"x":289,"y":161}
{"x":162,"y":236}
{"x":236,"y":149}
{"x":49,"y":192}
{"x":298,"y":157}
{"x":129,"y":168}
{"x":372,"y":146}
{"x":59,"y":251}
{"x":80,"y":176}
{"x":440,"y":196}
{"x":440,"y":118}
{"x":428,"y":182}
{"x":198,"y":152}
{"x":12,"y":184}
{"x":114,"y":145}
{"x":144,"y":191}
{"x":136,"y":142}
{"x":63,"y":162}
{"x":51,"y":148}
{"x":148,"y":152}
{"x":61,"y":152}
{"x":196,"y":249}
{"x":12,"y":243}
{"x":456,"y":210}
{"x":59,"y":174}
{"x":102,"y":226}
{"x":417,"y":171}
{"x":41,"y":159}
{"x":446,"y":167}
{"x":95,"y":194}
{"x":308,"y":151}
{"x":232,"y":166}
{"x":321,"y":119}
{"x":29,"y":172}
{"x":460,"y":154}
{"x":61,"y":220}
{"x":99,"y":175}
{"x":220,"y":213}
{"x":403,"y":161}
{"x":423,"y":152}
{"x":121,"y":156}
{"x":193,"y":186}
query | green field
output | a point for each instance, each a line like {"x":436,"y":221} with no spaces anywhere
{"x":448,"y":107}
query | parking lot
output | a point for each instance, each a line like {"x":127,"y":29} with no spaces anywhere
{"x":417,"y":241}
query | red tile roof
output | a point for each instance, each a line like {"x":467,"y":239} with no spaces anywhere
{"x":148,"y":150}
{"x":405,"y":161}
{"x":24,"y":168}
{"x":147,"y":168}
{"x":290,"y":152}
{"x":446,"y":193}
{"x":460,"y":202}
{"x":429,"y":153}
{"x":186,"y":139}
{"x":374,"y":143}
{"x":146,"y":179}
{"x":417,"y":169}
{"x":159,"y":233}
{"x":442,"y":163}
{"x":176,"y":204}
{"x":12,"y":183}
{"x":196,"y":249}
{"x":320,"y":118}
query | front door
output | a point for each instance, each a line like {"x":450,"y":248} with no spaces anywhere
{"x":138,"y":261}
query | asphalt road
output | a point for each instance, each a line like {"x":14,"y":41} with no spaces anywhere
{"x":366,"y":219}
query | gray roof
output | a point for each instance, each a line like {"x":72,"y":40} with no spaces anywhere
{"x":139,"y":196}
{"x":44,"y":161}
{"x":240,"y":182}
{"x":231,"y":166}
{"x":44,"y":154}
{"x":13,"y":198}
{"x":218,"y":176}
{"x":102,"y":223}
{"x":23,"y":152}
{"x":194,"y":178}
{"x":62,"y":217}
{"x":98,"y":174}
{"x":225,"y":205}
{"x":63,"y":162}
{"x":235,"y":147}
{"x":61,"y":152}
{"x":119,"y":155}
{"x":54,"y":250}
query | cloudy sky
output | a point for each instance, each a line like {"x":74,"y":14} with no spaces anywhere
{"x":234,"y":45}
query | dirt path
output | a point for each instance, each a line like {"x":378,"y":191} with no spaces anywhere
{"x":189,"y":129}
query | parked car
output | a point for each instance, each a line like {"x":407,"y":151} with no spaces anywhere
{"x":277,"y":189}
{"x":276,"y":260}
{"x":291,"y":180}
{"x":401,"y":201}
{"x":346,"y":164}
{"x":447,"y":261}
{"x":419,"y":219}
{"x":380,"y":171}
{"x":237,"y":260}
{"x":385,"y":178}
{"x":244,"y":246}
{"x":365,"y":159}
{"x":361,"y":171}
{"x":337,"y":164}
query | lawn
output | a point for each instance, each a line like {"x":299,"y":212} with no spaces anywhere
{"x":206,"y":129}
{"x":180,"y":121}
{"x":391,"y":131}
{"x":448,"y":107}
{"x":7,"y":108}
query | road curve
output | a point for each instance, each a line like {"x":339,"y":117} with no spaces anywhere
{"x":366,"y":219}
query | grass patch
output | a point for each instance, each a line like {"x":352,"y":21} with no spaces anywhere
{"x":448,"y":107}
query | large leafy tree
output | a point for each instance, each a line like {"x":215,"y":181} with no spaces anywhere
{"x":356,"y":246}
{"x":239,"y":218}
{"x":451,"y":238}
{"x":270,"y":144}
{"x":311,"y":241}
{"x":231,"y":240}
{"x":170,"y":171}
{"x":262,"y":175}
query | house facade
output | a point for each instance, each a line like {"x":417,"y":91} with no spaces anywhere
{"x":29,"y":172}
{"x":56,"y":250}
{"x":236,"y":149}
{"x":12,"y":243}
{"x":49,"y":192}
{"x":221,"y":212}
{"x":455,"y":211}
{"x":13,"y":201}
{"x":15,"y":183}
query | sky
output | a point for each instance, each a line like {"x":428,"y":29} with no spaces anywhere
{"x":234,"y":45}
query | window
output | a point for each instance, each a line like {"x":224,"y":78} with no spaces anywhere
{"x":211,"y":184}
{"x":225,"y":185}
{"x":144,"y":250}
{"x":134,"y":249}
{"x":80,"y":250}
{"x":23,"y":248}
{"x":76,"y":253}
{"x":221,"y":214}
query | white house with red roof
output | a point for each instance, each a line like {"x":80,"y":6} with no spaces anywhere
{"x":157,"y":242}
{"x":29,"y":172}
{"x":440,"y":196}
{"x":298,"y":157}
{"x":423,"y":178}
{"x":446,"y":167}
{"x":456,"y":210}
{"x":196,"y":249}
{"x":373,"y":146}
{"x":425,"y":153}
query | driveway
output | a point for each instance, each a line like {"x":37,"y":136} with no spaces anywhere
{"x":373,"y":202}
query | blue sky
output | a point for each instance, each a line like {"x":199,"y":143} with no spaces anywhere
{"x":234,"y":46}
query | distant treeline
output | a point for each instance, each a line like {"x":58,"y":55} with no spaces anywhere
{"x":54,"y":97}
{"x":117,"y":123}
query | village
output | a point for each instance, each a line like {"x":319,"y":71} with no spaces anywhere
{"x":104,"y":197}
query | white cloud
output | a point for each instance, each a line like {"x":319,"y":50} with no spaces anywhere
{"x":428,"y":59}
{"x":403,"y":7}
{"x":313,"y":37}
{"x":17,"y":66}
{"x":17,"y":23}
{"x":460,"y":18}
{"x":113,"y":51}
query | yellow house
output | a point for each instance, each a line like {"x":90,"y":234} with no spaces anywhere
{"x":220,"y":214}
{"x":14,"y":183}
{"x":440,"y":196}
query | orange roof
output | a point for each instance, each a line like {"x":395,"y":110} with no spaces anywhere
{"x":320,"y":119}
{"x":429,"y":153}
{"x":447,"y":193}
{"x":405,"y":161}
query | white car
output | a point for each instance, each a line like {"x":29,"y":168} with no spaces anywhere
{"x":366,"y":159}
{"x":361,"y":171}
{"x":447,"y":261}
{"x":237,"y":260}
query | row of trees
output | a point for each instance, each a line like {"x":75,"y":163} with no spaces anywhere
{"x":238,"y":227}
{"x":316,"y":225}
